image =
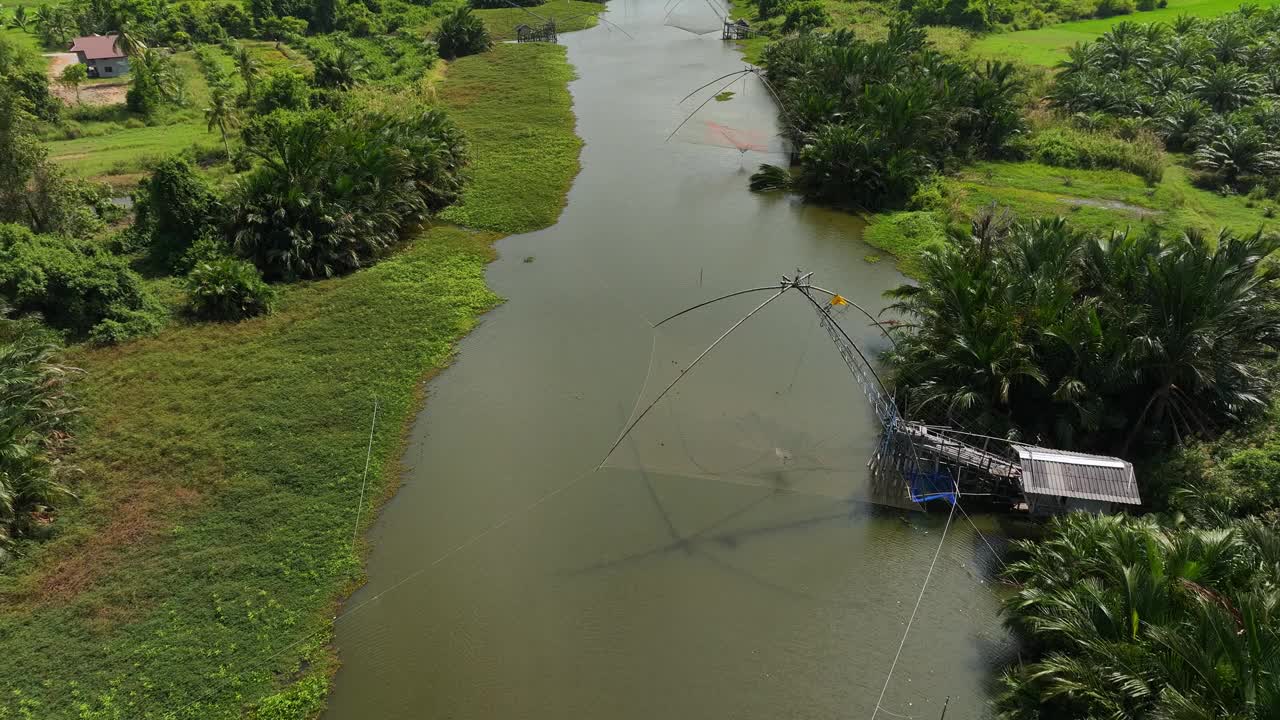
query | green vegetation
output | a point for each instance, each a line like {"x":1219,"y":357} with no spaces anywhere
{"x":907,"y":234}
{"x":1124,"y":617}
{"x":1039,"y":330}
{"x":227,"y":289}
{"x":76,"y":285}
{"x":570,"y":15}
{"x":336,"y":190}
{"x":1205,"y":88}
{"x":521,"y":184}
{"x":35,"y":423}
{"x":1050,"y":44}
{"x":871,"y":145}
{"x":163,"y":592}
{"x":462,"y":33}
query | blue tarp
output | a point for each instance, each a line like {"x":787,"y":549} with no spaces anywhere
{"x":926,"y":485}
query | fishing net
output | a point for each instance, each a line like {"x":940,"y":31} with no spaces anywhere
{"x":772,"y":406}
{"x":699,"y":17}
{"x":737,"y":114}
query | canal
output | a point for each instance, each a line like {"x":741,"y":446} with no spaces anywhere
{"x":729,"y":559}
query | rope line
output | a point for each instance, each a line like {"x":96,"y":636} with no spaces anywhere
{"x":986,"y":542}
{"x":364,"y":483}
{"x":916,"y":609}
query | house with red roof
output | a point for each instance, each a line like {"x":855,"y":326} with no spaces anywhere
{"x":100,"y":55}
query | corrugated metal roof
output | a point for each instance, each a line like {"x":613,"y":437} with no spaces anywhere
{"x":97,"y":47}
{"x":1067,"y":474}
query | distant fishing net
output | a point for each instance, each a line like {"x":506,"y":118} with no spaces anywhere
{"x":772,"y":407}
{"x":696,"y":24}
{"x":738,"y":115}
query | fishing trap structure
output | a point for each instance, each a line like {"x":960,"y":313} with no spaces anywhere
{"x":543,"y":33}
{"x":927,"y":462}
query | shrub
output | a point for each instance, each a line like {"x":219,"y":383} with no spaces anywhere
{"x":176,"y":207}
{"x":336,"y":190}
{"x":227,"y":289}
{"x":78,"y":286}
{"x":770,"y":8}
{"x":805,"y":16}
{"x":1109,"y":8}
{"x":769,"y":178}
{"x":1068,"y":147}
{"x":462,"y":32}
{"x":284,"y":89}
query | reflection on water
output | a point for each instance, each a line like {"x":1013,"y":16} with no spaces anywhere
{"x":728,"y":560}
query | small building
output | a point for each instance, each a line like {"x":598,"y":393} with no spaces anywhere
{"x":100,"y":55}
{"x":1057,"y":481}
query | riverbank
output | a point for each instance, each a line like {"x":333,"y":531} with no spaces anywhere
{"x":200,"y":573}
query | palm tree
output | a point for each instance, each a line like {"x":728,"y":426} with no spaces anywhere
{"x":1198,"y":324}
{"x":221,"y":115}
{"x":36,"y":415}
{"x":248,"y":67}
{"x":462,"y":32}
{"x":1129,"y":618}
{"x":340,"y":69}
{"x":1081,"y":58}
{"x":1235,"y":152}
{"x":128,"y":39}
{"x":53,"y":24}
{"x":1178,"y":118}
{"x":20,"y":21}
{"x":1088,"y":341}
{"x":1225,"y":87}
{"x":159,"y":67}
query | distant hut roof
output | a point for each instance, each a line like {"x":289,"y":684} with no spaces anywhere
{"x":521,"y":26}
{"x":742,"y":23}
{"x":97,"y":47}
{"x":1075,"y":475}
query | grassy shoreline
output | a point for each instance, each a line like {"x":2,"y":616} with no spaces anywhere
{"x":200,"y":574}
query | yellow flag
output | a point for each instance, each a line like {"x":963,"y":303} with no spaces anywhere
{"x":838,"y":300}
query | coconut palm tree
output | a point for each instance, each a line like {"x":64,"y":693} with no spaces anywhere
{"x":129,"y":39}
{"x":53,"y":24}
{"x":221,"y":114}
{"x":248,"y":67}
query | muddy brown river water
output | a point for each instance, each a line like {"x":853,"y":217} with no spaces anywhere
{"x":729,"y":560}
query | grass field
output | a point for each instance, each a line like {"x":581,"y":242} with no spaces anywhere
{"x":522,"y":183}
{"x":128,"y":149}
{"x":1095,"y":200}
{"x":199,"y":576}
{"x":1048,"y":45}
